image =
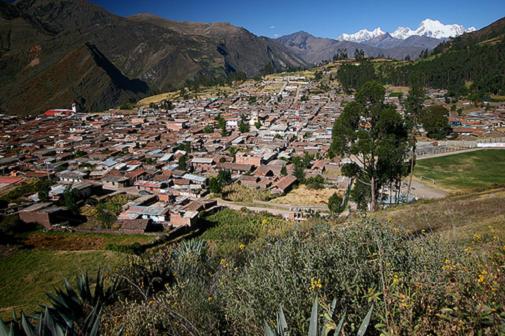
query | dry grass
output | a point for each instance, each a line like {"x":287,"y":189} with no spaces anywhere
{"x":402,"y":89}
{"x":461,"y":215}
{"x":239,"y":193}
{"x":305,"y":196}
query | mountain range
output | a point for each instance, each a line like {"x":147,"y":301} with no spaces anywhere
{"x":428,"y":28}
{"x":54,"y":52}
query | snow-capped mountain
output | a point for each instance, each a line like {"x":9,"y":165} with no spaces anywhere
{"x":432,"y":28}
{"x":362,"y":35}
{"x":429,"y":28}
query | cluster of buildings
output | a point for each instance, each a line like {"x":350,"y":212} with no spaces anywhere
{"x":166,"y":158}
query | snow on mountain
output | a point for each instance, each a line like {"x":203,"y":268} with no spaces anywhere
{"x":429,"y":28}
{"x":362,"y":35}
{"x":432,"y":28}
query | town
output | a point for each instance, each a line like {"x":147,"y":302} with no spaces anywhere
{"x":164,"y":164}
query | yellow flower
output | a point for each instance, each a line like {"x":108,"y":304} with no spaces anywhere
{"x":223,"y":262}
{"x":477,"y":237}
{"x":315,"y":284}
{"x":448,"y":265}
{"x":482,"y":277}
{"x":396,"y":279}
{"x":468,"y":250}
{"x":241,"y":246}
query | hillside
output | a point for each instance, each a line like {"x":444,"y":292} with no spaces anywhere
{"x":36,"y":35}
{"x":315,"y":49}
{"x":470,"y":65}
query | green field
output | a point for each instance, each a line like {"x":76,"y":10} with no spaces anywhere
{"x":28,"y":273}
{"x":466,"y":171}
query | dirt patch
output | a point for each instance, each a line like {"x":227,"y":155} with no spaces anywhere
{"x":64,"y":243}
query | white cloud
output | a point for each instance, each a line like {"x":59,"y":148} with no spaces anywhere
{"x":271,"y":27}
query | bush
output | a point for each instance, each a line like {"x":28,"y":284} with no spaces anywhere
{"x":315,"y":182}
{"x":231,"y":279}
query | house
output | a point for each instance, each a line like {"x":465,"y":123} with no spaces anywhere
{"x":136,"y":226}
{"x":71,"y":176}
{"x":235,"y":168}
{"x":151,"y":186}
{"x":115,"y":182}
{"x":254,"y":160}
{"x":7,"y":181}
{"x":284,"y":184}
{"x":45,"y":214}
{"x":202,"y":164}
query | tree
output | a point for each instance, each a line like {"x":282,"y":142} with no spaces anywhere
{"x":315,"y":182}
{"x":435,"y":121}
{"x":353,"y":76}
{"x":44,"y":189}
{"x":413,"y":111}
{"x":217,"y":183}
{"x":257,"y":124}
{"x":359,"y":54}
{"x":243,"y":125}
{"x":70,"y":198}
{"x":335,"y":204}
{"x":215,"y":186}
{"x":376,"y":136}
{"x":182,"y":163}
{"x":208,"y":129}
{"x":284,"y":171}
{"x":105,"y":216}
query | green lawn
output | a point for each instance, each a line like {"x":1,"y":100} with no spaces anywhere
{"x":467,"y":171}
{"x":26,"y":275}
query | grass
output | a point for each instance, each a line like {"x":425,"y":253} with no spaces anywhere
{"x":305,"y":196}
{"x":231,"y":230}
{"x":459,"y":216}
{"x":78,"y":241}
{"x":465,"y":172}
{"x":27,"y":275}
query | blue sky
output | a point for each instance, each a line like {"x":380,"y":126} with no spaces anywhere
{"x":325,"y":18}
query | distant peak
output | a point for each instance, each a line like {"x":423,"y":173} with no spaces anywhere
{"x":362,"y":35}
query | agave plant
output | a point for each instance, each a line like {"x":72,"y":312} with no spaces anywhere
{"x":70,"y":312}
{"x":328,"y":327}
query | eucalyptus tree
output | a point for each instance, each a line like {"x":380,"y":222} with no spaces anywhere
{"x":375,"y":137}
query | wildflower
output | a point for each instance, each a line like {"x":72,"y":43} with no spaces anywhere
{"x":315,"y":284}
{"x":468,"y":250}
{"x":477,"y":237}
{"x":224,"y":263}
{"x":448,"y":265}
{"x":396,"y":279}
{"x":241,"y":246}
{"x":482,"y":277}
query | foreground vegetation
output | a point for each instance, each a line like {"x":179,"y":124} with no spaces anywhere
{"x":429,"y":268}
{"x":466,"y":171}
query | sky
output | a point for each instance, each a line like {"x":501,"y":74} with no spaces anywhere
{"x":324,"y":18}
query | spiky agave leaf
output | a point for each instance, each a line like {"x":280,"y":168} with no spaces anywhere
{"x":268,"y":331}
{"x":4,"y":331}
{"x":282,"y":325}
{"x":313,"y":318}
{"x":28,"y":328}
{"x":365,"y":323}
{"x":340,"y":325}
